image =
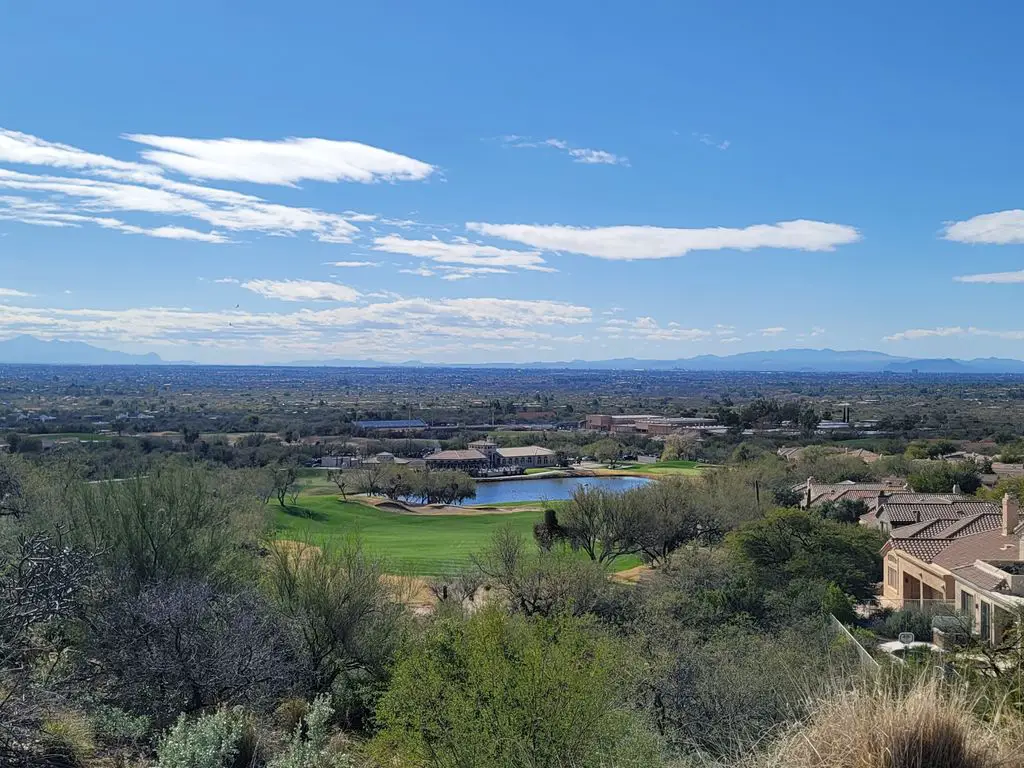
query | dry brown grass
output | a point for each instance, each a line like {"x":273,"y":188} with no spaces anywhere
{"x":878,"y":726}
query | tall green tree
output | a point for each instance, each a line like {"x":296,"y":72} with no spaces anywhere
{"x":796,"y":544}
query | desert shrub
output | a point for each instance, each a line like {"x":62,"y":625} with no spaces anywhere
{"x":177,"y":523}
{"x":349,"y":623}
{"x":496,"y":690}
{"x":928,"y":726}
{"x":222,"y":739}
{"x":289,"y":713}
{"x":309,"y":746}
{"x":68,"y":737}
{"x":908,"y":620}
{"x":183,"y":647}
{"x":116,"y":727}
{"x":542,"y":583}
{"x":835,"y":602}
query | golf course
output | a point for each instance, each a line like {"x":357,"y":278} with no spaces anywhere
{"x":411,"y":544}
{"x":421,"y":545}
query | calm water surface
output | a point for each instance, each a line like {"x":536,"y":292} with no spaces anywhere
{"x":548,"y":489}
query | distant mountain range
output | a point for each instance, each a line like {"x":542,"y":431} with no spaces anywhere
{"x":780,"y":360}
{"x":28,"y":349}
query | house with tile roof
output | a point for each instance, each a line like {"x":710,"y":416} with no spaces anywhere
{"x":971,"y":564}
{"x":814,"y":493}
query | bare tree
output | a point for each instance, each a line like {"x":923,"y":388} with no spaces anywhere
{"x":284,"y":478}
{"x":340,"y":479}
{"x":185,"y":646}
{"x":370,"y":479}
{"x":42,"y":579}
{"x":539,"y":583}
{"x":602,"y":524}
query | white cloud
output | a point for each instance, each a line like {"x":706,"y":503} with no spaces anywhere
{"x":81,"y":199}
{"x":993,"y":277}
{"x":302,"y":290}
{"x":648,"y":329}
{"x":1001,"y":228}
{"x":731,"y":340}
{"x":14,"y":293}
{"x":419,"y":271}
{"x":285,"y":161}
{"x":352,"y":264}
{"x":227,"y":280}
{"x":584,"y":155}
{"x":956,"y":330}
{"x":646,"y":242}
{"x":711,"y":141}
{"x":817,"y":331}
{"x":395,"y":329}
{"x":16,"y":147}
{"x":774,"y":331}
{"x":460,"y":252}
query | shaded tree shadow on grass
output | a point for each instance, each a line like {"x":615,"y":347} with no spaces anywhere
{"x":303,"y":512}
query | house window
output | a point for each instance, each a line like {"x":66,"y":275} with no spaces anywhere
{"x":967,"y":608}
{"x":893,"y":576}
{"x":986,"y":621}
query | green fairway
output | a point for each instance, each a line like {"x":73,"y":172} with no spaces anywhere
{"x":419,"y":545}
{"x":422,"y":545}
{"x":667,"y":468}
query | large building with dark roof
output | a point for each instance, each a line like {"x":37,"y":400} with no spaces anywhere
{"x":484,"y":455}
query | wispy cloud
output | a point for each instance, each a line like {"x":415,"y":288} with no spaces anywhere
{"x":625,"y":243}
{"x":11,"y":292}
{"x":352,"y":264}
{"x":460,"y":251}
{"x":302,"y":290}
{"x":649,"y":329}
{"x":285,"y":161}
{"x":956,"y":330}
{"x":584,"y":155}
{"x":394,"y":328}
{"x":1001,"y":228}
{"x":993,"y":277}
{"x":95,"y":186}
{"x":774,"y":331}
{"x":709,"y":140}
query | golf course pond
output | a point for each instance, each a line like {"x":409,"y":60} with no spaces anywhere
{"x":547,"y":488}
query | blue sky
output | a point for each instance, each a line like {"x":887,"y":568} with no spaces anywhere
{"x":470,"y":181}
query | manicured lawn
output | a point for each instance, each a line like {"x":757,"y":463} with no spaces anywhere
{"x":414,"y":545}
{"x":667,"y":468}
{"x":420,"y":545}
{"x":68,"y":436}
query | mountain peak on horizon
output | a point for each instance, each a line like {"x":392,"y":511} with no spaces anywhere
{"x":27,"y":349}
{"x":30,"y":350}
